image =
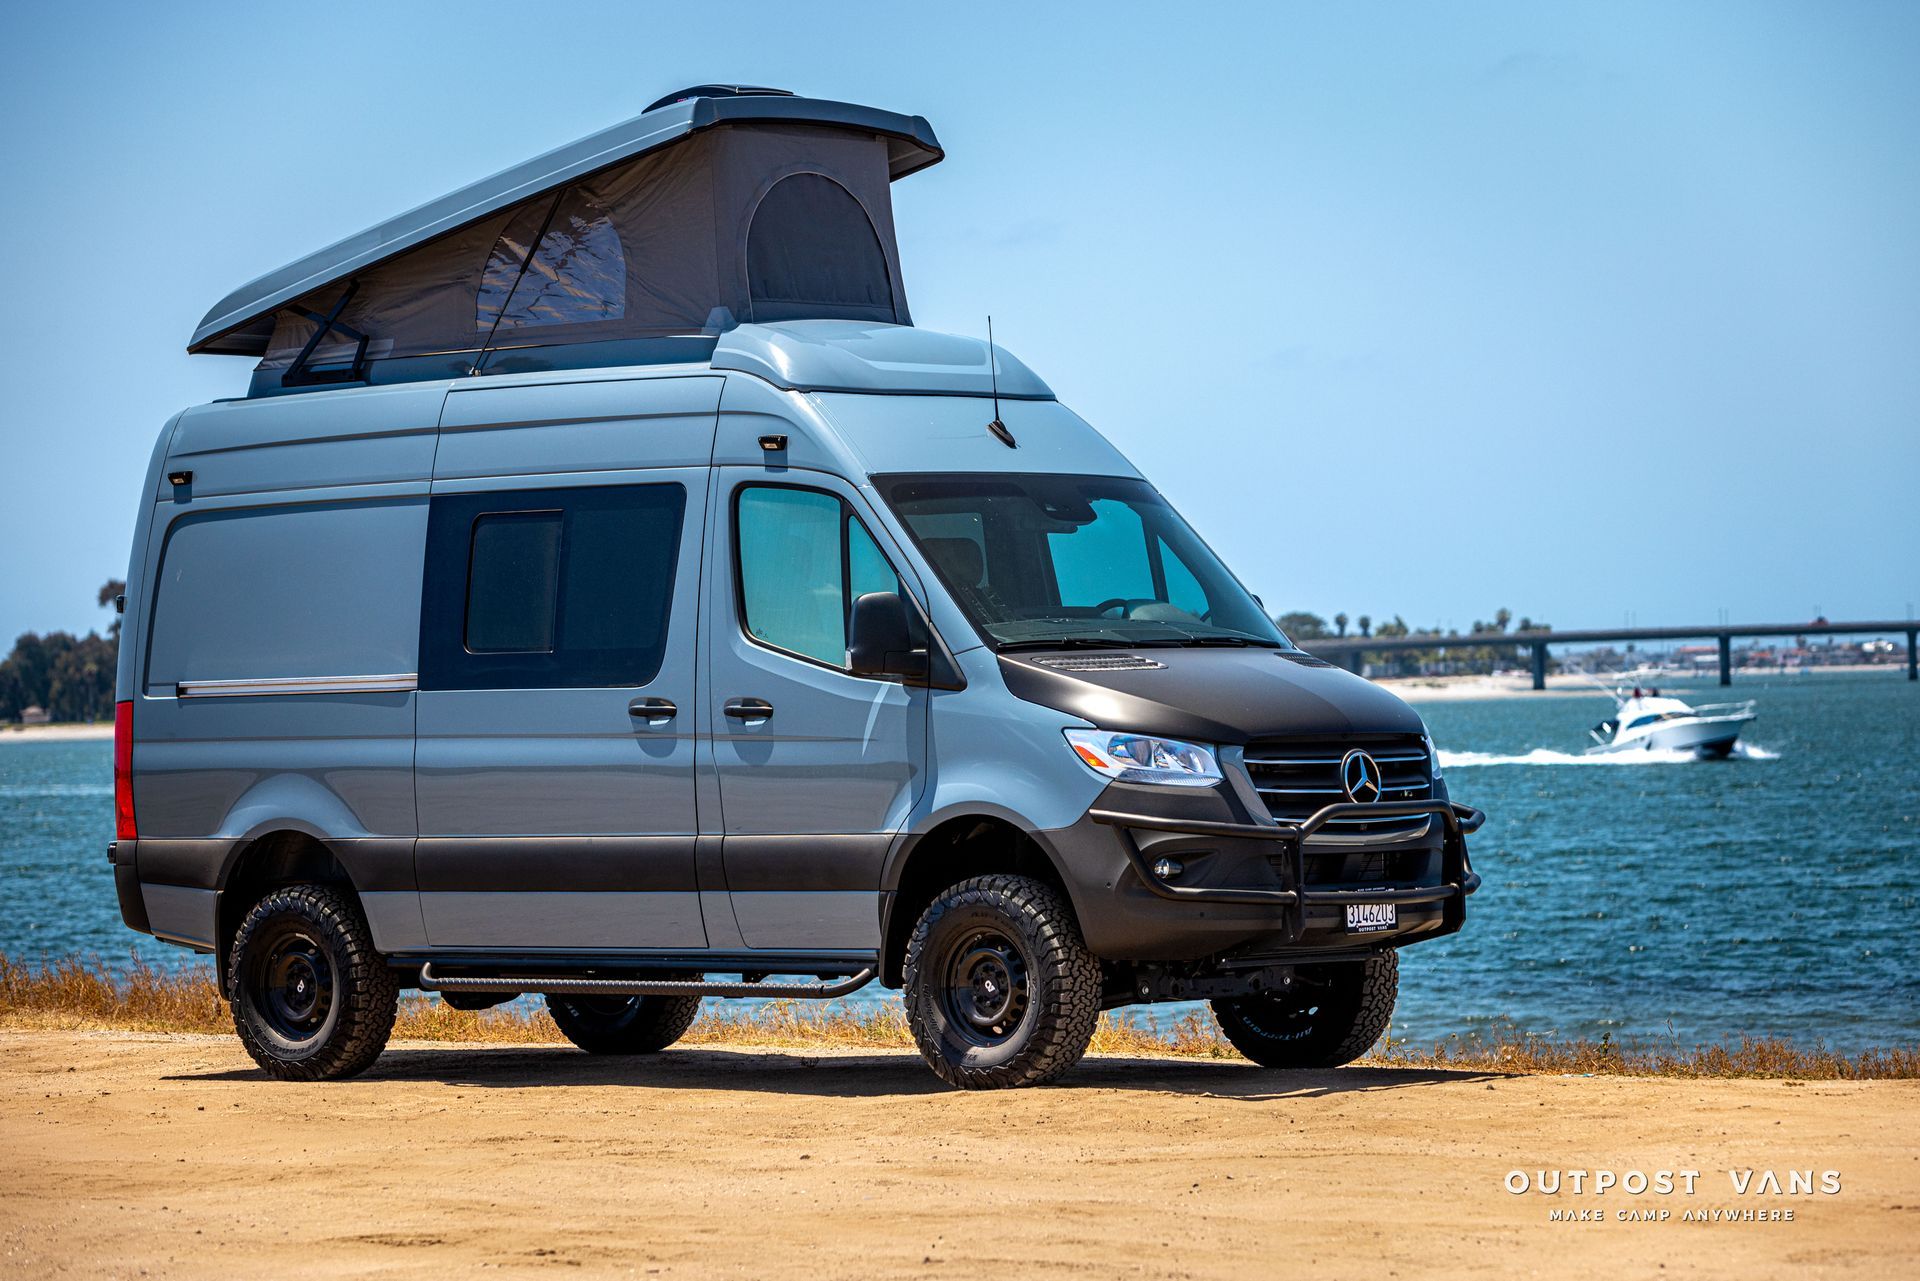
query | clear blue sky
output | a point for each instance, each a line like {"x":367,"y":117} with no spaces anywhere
{"x":1579,"y":309}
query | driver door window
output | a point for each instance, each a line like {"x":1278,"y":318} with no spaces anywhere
{"x":804,"y":559}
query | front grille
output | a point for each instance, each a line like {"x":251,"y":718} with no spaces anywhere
{"x":1297,"y":777}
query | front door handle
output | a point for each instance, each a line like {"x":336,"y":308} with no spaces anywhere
{"x":655,"y":711}
{"x":748,"y":709}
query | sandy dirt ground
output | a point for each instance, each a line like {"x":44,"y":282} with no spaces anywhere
{"x":131,"y":1155}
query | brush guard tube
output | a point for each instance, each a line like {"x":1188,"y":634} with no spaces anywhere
{"x":1457,"y":878}
{"x":563,"y":985}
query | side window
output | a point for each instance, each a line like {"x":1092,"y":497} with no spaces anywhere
{"x":549,"y":589}
{"x":802,"y":558}
{"x":513,"y":582}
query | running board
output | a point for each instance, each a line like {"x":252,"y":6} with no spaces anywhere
{"x":563,"y":986}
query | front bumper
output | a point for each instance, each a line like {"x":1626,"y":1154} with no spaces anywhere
{"x":1457,"y":878}
{"x":1251,"y":886}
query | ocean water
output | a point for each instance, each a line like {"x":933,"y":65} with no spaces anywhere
{"x":1653,"y":898}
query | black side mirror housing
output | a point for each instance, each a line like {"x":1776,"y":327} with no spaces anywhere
{"x":880,"y":640}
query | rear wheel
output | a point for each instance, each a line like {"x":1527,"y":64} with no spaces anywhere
{"x":1331,"y":1015}
{"x":312,"y":1000}
{"x":1000,"y":988}
{"x":624,"y":1024}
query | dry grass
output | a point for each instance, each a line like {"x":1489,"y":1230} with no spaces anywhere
{"x":72,"y":994}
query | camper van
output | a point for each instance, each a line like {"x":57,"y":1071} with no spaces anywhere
{"x":604,"y":592}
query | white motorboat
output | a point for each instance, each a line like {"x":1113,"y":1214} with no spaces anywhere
{"x":1647,"y":721}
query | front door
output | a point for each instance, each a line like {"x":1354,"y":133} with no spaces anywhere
{"x":555,"y":758}
{"x":817,"y":768}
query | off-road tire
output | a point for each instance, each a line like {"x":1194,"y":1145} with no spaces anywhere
{"x":318,"y":934}
{"x":1333,"y":1015}
{"x":623,"y":1024}
{"x":1030,"y":927}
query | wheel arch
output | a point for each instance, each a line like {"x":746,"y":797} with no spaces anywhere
{"x":970,"y":840}
{"x":288,"y":853}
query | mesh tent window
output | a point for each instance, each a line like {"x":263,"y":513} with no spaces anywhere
{"x":575,"y":274}
{"x":812,"y":251}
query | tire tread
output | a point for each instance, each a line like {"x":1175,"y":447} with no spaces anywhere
{"x":367,"y":991}
{"x":1067,"y":982}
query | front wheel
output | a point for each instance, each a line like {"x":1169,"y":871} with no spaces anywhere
{"x":1000,"y":987}
{"x":312,"y":1000}
{"x":1332,"y":1014}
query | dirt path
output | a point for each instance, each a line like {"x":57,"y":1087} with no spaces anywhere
{"x":123,"y":1154}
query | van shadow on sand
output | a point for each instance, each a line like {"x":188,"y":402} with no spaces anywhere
{"x":857,"y":1076}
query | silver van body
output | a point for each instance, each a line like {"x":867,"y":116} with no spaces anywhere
{"x":279,"y":716}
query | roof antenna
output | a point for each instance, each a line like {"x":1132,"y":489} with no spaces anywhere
{"x":998,"y":428}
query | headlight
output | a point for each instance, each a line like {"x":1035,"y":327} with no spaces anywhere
{"x":1433,"y":759}
{"x":1141,"y":758}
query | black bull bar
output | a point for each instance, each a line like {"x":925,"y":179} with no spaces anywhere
{"x":1457,"y":877}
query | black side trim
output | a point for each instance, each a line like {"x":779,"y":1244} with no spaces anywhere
{"x":126,"y":885}
{"x":823,"y":862}
{"x":196,"y":864}
{"x":556,"y":863}
{"x":372,"y":863}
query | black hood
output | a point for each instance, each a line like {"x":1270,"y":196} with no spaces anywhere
{"x":1209,"y":695}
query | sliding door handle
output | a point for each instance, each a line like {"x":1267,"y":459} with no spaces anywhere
{"x":655,"y":711}
{"x":748,"y":709}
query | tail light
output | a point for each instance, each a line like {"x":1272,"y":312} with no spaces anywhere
{"x":123,"y":824}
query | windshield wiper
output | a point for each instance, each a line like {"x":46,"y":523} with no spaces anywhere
{"x":1235,"y":641}
{"x":1071,"y":642}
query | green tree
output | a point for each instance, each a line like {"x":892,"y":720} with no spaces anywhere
{"x":1340,"y":622}
{"x":72,"y":677}
{"x":1302,"y":626}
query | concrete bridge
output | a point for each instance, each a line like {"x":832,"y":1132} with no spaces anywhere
{"x":1349,"y":650}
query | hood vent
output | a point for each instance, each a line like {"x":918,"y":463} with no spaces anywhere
{"x":1301,"y":657}
{"x":1098,"y":663}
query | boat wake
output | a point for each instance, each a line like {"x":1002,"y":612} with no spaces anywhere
{"x":1548,"y":756}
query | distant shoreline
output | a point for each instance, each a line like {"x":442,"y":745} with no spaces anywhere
{"x":63,"y":733}
{"x":1455,"y":689}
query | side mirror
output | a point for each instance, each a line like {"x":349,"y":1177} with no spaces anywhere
{"x":880,"y":640}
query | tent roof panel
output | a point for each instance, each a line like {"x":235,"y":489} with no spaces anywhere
{"x":230,"y":328}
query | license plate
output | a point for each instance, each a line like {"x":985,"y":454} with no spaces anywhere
{"x":1371,"y":918}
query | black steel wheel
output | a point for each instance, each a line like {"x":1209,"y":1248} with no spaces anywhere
{"x":1000,"y":988}
{"x":1331,"y":1015}
{"x":624,"y":1024}
{"x":312,"y":1000}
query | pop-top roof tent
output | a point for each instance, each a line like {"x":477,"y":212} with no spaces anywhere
{"x":720,"y":205}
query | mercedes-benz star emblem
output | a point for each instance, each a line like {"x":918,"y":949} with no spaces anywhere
{"x":1360,"y":777}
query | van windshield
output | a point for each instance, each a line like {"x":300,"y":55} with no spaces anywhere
{"x":1052,"y":561}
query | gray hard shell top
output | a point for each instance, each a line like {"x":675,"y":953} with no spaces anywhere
{"x":702,"y":213}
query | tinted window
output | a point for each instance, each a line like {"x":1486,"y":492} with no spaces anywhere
{"x":548,"y":589}
{"x":803,"y":556}
{"x":513,"y":582}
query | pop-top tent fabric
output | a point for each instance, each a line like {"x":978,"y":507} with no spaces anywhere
{"x":719,"y":208}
